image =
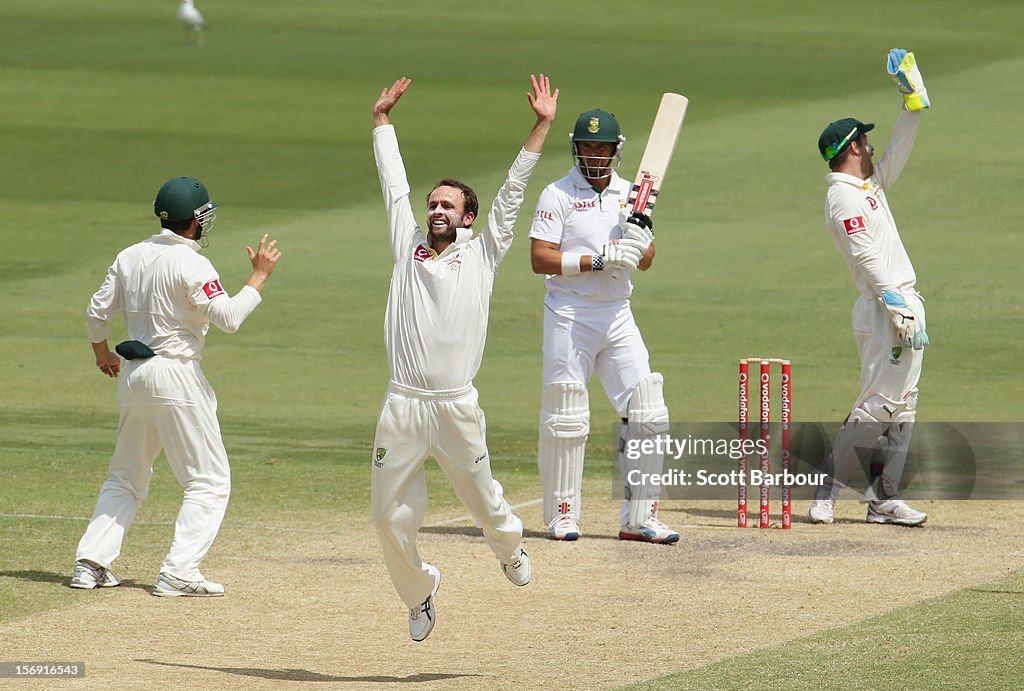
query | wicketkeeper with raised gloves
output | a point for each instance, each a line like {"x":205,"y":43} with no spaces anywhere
{"x":587,"y":248}
{"x":169,"y":295}
{"x":888,"y":317}
{"x":435,"y":329}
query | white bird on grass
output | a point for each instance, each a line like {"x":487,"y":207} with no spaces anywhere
{"x":191,"y":21}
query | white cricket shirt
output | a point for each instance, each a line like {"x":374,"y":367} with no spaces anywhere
{"x":578,"y":218}
{"x":862,"y":226}
{"x":435,"y":326}
{"x":169,"y":294}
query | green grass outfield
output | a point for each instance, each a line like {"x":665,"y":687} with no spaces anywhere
{"x":970,"y":639}
{"x":101,"y":102}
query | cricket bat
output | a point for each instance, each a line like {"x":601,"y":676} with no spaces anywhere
{"x":658,"y":153}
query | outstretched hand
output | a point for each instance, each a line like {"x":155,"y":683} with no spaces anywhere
{"x":264,"y":259}
{"x":387,"y":100}
{"x":543,"y":102}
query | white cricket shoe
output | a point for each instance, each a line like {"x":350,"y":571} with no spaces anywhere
{"x":652,"y":530}
{"x":89,"y":575}
{"x":172,"y":586}
{"x":564,"y":527}
{"x":821,"y":511}
{"x":422,"y":617}
{"x":519,"y":571}
{"x":894,"y":511}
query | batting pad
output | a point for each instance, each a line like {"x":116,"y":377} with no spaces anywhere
{"x":564,"y":426}
{"x":647,"y":418}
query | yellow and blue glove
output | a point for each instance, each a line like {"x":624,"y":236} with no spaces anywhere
{"x":902,"y":67}
{"x":909,"y":329}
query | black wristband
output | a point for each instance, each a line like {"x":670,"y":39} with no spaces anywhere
{"x":597,"y":263}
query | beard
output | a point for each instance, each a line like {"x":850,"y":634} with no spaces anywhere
{"x":449,"y":231}
{"x":446,"y":234}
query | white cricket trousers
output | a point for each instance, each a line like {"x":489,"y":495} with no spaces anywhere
{"x":602,"y":338}
{"x":165,"y":404}
{"x":450,"y":426}
{"x":887,"y":368}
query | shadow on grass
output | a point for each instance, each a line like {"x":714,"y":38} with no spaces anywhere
{"x":63,"y":579}
{"x":306,"y":675}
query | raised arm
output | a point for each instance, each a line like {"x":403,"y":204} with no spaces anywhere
{"x":544,"y":104}
{"x":497,"y":236}
{"x":896,"y":155}
{"x":388,"y":99}
{"x":391,"y":169}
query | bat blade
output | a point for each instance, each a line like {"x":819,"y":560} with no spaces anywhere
{"x":658,"y":153}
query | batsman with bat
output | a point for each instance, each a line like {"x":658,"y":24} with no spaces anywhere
{"x":888,"y":317}
{"x":587,"y":242}
{"x":435,"y":328}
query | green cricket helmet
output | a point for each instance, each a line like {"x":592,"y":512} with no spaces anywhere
{"x":596,"y":126}
{"x":184,"y":198}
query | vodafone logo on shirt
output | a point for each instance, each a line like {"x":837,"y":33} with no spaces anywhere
{"x":421,"y":254}
{"x":213,"y":289}
{"x":854,"y":225}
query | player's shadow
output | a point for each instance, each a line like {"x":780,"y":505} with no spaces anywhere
{"x":62,"y":579}
{"x":472,"y":531}
{"x":306,"y":675}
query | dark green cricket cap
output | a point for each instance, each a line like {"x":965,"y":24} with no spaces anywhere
{"x":837,"y":136}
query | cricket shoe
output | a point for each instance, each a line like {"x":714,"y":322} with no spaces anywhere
{"x":519,"y":571}
{"x":652,"y":530}
{"x":89,"y":575}
{"x":894,"y":511}
{"x":564,"y":528}
{"x":422,"y":616}
{"x":821,"y":511}
{"x":172,"y":586}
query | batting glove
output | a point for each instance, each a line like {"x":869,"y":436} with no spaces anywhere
{"x":902,"y":67}
{"x":639,"y":228}
{"x":617,"y":254}
{"x":909,"y":329}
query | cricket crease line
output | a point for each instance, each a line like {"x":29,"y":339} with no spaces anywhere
{"x":74,"y":518}
{"x":468,"y":517}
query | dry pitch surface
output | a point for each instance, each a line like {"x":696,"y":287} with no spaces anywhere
{"x":316,"y":606}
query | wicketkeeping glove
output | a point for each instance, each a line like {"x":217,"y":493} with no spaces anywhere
{"x":902,"y":67}
{"x":909,"y":329}
{"x":617,"y":254}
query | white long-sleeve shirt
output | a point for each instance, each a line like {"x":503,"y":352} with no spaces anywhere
{"x":862,"y":226}
{"x":436,"y":320}
{"x":581,"y":220}
{"x":169,"y":294}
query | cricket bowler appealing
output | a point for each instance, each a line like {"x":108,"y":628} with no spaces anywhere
{"x":888,"y":317}
{"x":588,"y":249}
{"x":435,"y":329}
{"x":169,"y":295}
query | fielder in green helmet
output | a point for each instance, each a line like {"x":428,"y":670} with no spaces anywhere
{"x":169,"y":295}
{"x":182,"y":202}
